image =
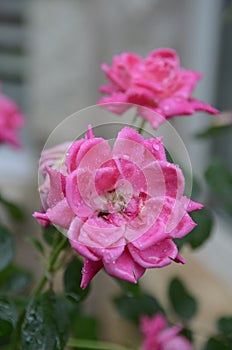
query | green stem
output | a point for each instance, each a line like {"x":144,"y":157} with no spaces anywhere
{"x":17,"y":332}
{"x":54,"y":255}
{"x":140,"y":130}
{"x":94,"y":345}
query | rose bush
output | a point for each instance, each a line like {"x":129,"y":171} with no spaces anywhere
{"x":11,"y":119}
{"x":122,"y":207}
{"x":157,"y":82}
{"x":159,"y":336}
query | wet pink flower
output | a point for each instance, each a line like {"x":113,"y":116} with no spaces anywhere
{"x":11,"y":120}
{"x":158,"y":335}
{"x":122,"y":207}
{"x":157,"y":82}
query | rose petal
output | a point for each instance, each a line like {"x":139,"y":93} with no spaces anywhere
{"x":157,"y":255}
{"x":90,"y":269}
{"x":125,"y":268}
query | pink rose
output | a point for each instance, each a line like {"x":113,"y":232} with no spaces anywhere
{"x":157,"y":82}
{"x":11,"y":120}
{"x":122,"y":207}
{"x":159,"y":336}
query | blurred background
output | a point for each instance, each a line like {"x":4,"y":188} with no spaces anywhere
{"x":50,"y":57}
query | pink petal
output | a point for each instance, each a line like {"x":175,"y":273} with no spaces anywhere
{"x":165,"y":54}
{"x":153,"y":234}
{"x":157,"y":255}
{"x":185,"y":225}
{"x":175,"y":106}
{"x":125,"y":268}
{"x":152,"y":326}
{"x":169,"y":333}
{"x":53,"y":157}
{"x":156,"y":147}
{"x":116,"y":103}
{"x":106,"y":176}
{"x":179,"y":259}
{"x":152,"y":114}
{"x":201,"y":106}
{"x":79,"y":204}
{"x":139,"y":95}
{"x":71,"y":158}
{"x":147,"y":227}
{"x":98,"y":233}
{"x":130,"y":146}
{"x":42,"y":218}
{"x":90,"y":269}
{"x":56,"y":193}
{"x":91,"y":152}
{"x":89,"y":133}
{"x":187,"y":81}
{"x":108,"y":89}
{"x":61,"y":214}
{"x":178,"y":343}
{"x":73,"y":236}
{"x":174,"y":179}
{"x":194,"y":206}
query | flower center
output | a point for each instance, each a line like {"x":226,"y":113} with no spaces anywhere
{"x":121,"y":203}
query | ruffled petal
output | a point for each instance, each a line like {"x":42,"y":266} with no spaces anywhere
{"x":125,"y":268}
{"x":157,"y":255}
{"x":98,"y":233}
{"x":61,"y":214}
{"x":76,"y":200}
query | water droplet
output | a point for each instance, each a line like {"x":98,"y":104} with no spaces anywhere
{"x":156,"y":147}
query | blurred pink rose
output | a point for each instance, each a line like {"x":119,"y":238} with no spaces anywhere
{"x":157,"y":82}
{"x":11,"y":120}
{"x":121,"y":207}
{"x":159,"y":336}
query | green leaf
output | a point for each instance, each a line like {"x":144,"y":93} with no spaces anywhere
{"x":21,"y":302}
{"x":216,"y":344}
{"x":130,"y":289}
{"x":13,"y":209}
{"x":187,"y":333}
{"x":46,"y":324}
{"x":196,"y":189}
{"x":219,"y":178}
{"x":201,"y":233}
{"x":168,"y":156}
{"x":85,"y":327}
{"x":203,"y":230}
{"x":183,"y":303}
{"x":224,"y":325}
{"x":14,"y":279}
{"x":8,"y":316}
{"x":72,"y":280}
{"x":6,"y":248}
{"x":214,"y":131}
{"x":133,"y":308}
{"x":36,"y":243}
{"x":84,"y":344}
